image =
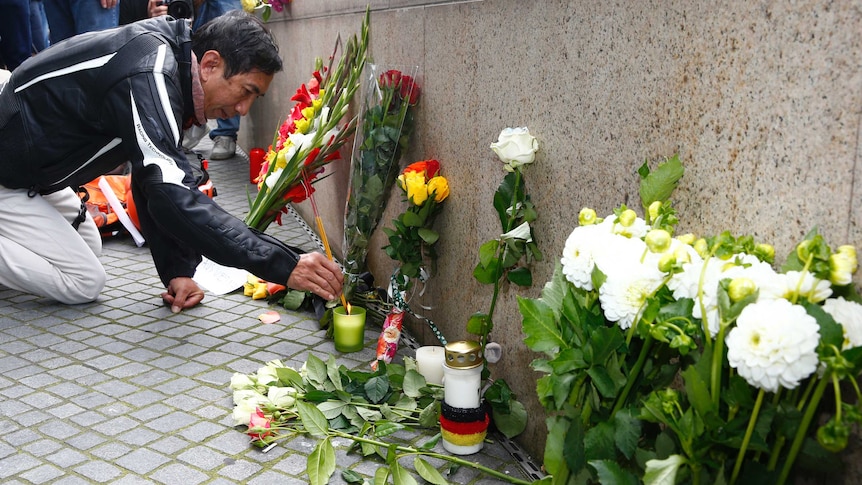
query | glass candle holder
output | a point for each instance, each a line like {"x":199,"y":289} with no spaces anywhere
{"x":348,"y":329}
{"x":255,"y":161}
{"x":463,"y":420}
{"x":429,"y":363}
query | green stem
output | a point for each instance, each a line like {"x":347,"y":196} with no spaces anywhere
{"x":745,"y":440}
{"x":451,"y":459}
{"x":802,"y":431}
{"x":501,"y":250}
{"x":633,"y":375}
{"x":715,"y":371}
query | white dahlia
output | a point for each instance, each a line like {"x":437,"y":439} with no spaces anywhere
{"x":577,"y":260}
{"x":849,"y":315}
{"x":773,"y":344}
{"x":624,"y":293}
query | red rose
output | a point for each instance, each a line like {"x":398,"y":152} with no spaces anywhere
{"x":390,"y":79}
{"x":258,"y":420}
{"x":429,"y":167}
{"x":409,"y":90}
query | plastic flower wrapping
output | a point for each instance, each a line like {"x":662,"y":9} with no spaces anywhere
{"x":389,"y":103}
{"x":311,"y":135}
{"x":682,"y":359}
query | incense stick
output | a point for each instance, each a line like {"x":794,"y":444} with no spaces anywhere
{"x":322,"y":231}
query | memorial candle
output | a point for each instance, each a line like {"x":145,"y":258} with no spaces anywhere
{"x":349,"y":328}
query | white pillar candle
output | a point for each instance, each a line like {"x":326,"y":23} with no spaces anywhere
{"x":429,"y":363}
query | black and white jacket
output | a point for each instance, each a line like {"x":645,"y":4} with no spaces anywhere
{"x":86,"y":105}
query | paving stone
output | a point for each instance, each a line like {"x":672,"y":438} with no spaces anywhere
{"x":176,"y":473}
{"x":98,"y":471}
{"x":17,"y":463}
{"x":142,"y":461}
{"x":42,"y":474}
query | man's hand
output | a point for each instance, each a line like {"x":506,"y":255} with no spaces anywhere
{"x":108,"y":3}
{"x":156,"y":8}
{"x":182,"y":293}
{"x":318,"y":275}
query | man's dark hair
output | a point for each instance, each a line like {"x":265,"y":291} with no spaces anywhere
{"x":243,"y":42}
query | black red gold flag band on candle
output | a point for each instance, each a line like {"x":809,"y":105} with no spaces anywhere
{"x":462,"y":415}
{"x":465,"y":428}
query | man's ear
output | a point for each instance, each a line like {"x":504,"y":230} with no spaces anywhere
{"x":210,"y":63}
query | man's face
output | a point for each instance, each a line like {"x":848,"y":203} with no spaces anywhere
{"x":224,"y":98}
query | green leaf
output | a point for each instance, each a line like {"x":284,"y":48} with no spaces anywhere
{"x":318,"y":396}
{"x":660,"y":183}
{"x":479,"y":324}
{"x":603,"y":381}
{"x":574,"y":451}
{"x":428,"y":472}
{"x":316,"y":370}
{"x":413,"y":383}
{"x":520,"y":276}
{"x":610,"y":473}
{"x":429,"y":417}
{"x":411,"y":219}
{"x":401,"y":475}
{"x":332,"y":409}
{"x":313,"y":420}
{"x":540,"y":326}
{"x":386,"y":428}
{"x":381,"y":476}
{"x":376,"y":388}
{"x":627,"y":431}
{"x":556,"y":289}
{"x":488,"y":252}
{"x":663,"y":472}
{"x":555,"y":444}
{"x":288,"y":377}
{"x":321,"y":463}
{"x":428,"y":235}
{"x":351,"y":476}
{"x":332,"y":371}
{"x":697,"y":392}
{"x":431,"y":443}
{"x":599,"y":442}
{"x":514,"y":422}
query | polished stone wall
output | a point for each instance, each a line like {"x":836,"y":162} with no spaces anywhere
{"x":761,"y":100}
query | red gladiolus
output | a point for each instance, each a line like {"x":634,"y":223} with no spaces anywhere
{"x":258,"y":420}
{"x":311,"y":156}
{"x":409,"y":90}
{"x":302,"y":95}
{"x":429,"y":167}
{"x":298,"y":193}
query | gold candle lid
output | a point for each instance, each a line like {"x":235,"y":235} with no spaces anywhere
{"x":464,"y":354}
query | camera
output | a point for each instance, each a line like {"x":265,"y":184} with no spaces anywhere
{"x":180,"y":9}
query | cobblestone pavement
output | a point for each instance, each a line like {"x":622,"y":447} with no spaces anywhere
{"x":122,"y":391}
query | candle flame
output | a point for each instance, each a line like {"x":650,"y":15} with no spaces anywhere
{"x":348,"y":308}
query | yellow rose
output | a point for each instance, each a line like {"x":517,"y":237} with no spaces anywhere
{"x":439,"y":186}
{"x":417,"y":191}
{"x":249,"y":5}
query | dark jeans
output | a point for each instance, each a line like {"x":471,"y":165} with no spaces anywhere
{"x":15,"y":39}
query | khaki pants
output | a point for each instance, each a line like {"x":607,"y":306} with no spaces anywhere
{"x":42,"y":254}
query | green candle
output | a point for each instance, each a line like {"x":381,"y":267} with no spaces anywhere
{"x":349,"y":329}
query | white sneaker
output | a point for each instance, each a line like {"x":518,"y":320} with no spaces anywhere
{"x":193,"y":136}
{"x":224,"y":147}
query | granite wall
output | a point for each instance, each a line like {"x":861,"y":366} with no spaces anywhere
{"x":761,"y":100}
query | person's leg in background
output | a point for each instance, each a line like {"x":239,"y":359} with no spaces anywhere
{"x":71,"y":17}
{"x":15,"y":37}
{"x":38,"y":26}
{"x":224,"y":138}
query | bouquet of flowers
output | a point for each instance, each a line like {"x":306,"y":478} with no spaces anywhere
{"x":267,"y":6}
{"x":387,"y":124}
{"x":692,"y":360}
{"x":312,"y":134}
{"x":411,"y":242}
{"x":327,"y":401}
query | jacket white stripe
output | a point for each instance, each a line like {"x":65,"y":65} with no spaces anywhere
{"x":171,"y":173}
{"x":159,"y":75}
{"x":91,"y":64}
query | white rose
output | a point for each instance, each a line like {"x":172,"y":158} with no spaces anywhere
{"x":241,"y":381}
{"x":242,"y":412}
{"x":282,"y":397}
{"x":515,"y":147}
